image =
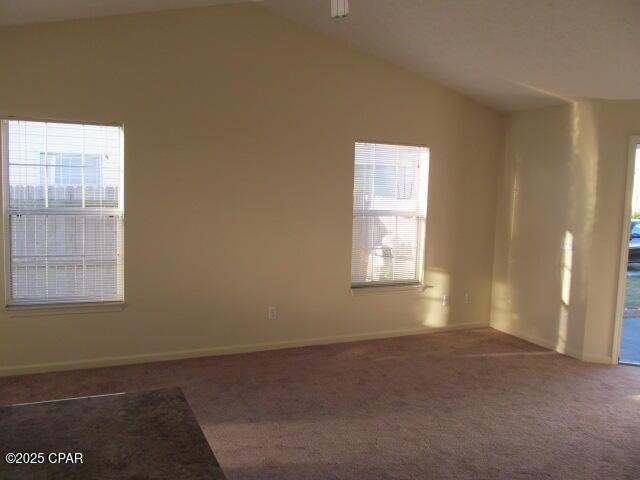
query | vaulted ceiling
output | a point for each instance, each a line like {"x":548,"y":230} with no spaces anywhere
{"x":15,"y":12}
{"x":509,"y":54}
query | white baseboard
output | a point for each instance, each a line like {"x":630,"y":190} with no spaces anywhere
{"x":228,"y":350}
{"x":542,"y":342}
{"x":597,"y":358}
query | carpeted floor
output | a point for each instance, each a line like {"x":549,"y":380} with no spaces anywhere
{"x":141,"y":435}
{"x":474,"y":404}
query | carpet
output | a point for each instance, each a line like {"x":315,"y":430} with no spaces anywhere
{"x":148,"y":435}
{"x":474,"y":404}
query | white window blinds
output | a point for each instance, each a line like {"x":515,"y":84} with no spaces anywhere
{"x":63,"y":205}
{"x":389,"y":213}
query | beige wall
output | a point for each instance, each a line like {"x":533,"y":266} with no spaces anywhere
{"x":616,"y":122}
{"x":239,"y":131}
{"x":563,"y":177}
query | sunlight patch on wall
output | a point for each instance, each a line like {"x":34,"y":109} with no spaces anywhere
{"x":566,"y":266}
{"x":435,"y":313}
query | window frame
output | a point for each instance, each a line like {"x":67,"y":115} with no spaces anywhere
{"x":421,"y":260}
{"x":42,"y":308}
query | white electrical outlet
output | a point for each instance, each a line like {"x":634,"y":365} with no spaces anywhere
{"x":467,"y":298}
{"x":272,"y":313}
{"x":445,"y":300}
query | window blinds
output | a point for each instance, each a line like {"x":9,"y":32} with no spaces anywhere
{"x":64,"y":212}
{"x":389,"y":213}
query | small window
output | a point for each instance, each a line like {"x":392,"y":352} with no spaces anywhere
{"x":63,"y":207}
{"x":389,"y":214}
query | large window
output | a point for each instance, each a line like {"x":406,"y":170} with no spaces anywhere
{"x":63,"y":208}
{"x":389,"y":213}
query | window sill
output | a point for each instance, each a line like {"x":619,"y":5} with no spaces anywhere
{"x":382,"y":289}
{"x":63,"y":308}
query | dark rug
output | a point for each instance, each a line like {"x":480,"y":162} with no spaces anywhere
{"x":147,"y":435}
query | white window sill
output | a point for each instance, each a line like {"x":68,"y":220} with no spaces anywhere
{"x":63,"y":308}
{"x":384,"y":289}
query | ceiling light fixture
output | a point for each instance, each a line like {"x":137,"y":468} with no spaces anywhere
{"x":339,"y":8}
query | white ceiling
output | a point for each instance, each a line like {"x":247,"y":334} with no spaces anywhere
{"x":510,"y":54}
{"x":15,"y":12}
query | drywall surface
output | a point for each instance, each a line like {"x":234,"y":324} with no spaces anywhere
{"x":559,"y":225}
{"x":239,"y":140}
{"x":617,"y":122}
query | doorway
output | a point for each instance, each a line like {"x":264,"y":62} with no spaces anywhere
{"x":629,"y":350}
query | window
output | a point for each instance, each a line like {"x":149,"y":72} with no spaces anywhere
{"x":389,"y":214}
{"x":63,"y":207}
{"x":68,"y":172}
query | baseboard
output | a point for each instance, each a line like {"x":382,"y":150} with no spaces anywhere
{"x":542,"y":342}
{"x":597,"y":358}
{"x":228,"y":350}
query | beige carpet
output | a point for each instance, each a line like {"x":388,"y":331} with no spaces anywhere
{"x":459,"y":405}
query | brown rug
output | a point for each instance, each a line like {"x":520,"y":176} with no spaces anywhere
{"x":142,"y":435}
{"x":458,"y":405}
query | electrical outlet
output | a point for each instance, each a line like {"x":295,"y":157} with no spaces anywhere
{"x":272,"y":313}
{"x":467,"y":298}
{"x":445,"y":300}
